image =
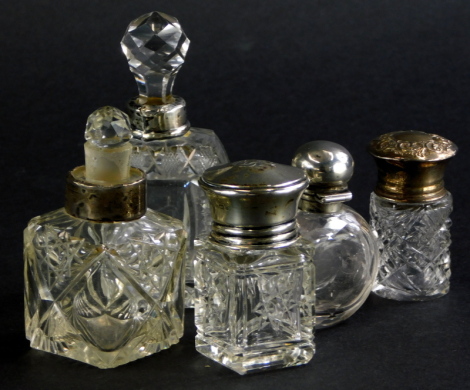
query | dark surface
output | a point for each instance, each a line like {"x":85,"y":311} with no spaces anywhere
{"x":267,"y":76}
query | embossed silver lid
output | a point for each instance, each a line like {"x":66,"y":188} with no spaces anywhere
{"x":254,"y":202}
{"x":411,"y":165}
{"x":155,"y":46}
{"x":329,"y":166}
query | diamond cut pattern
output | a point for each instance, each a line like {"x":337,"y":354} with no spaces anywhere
{"x":245,"y":306}
{"x":104,"y":294}
{"x":172,"y":167}
{"x":415,"y":240}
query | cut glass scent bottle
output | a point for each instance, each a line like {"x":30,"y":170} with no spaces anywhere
{"x":254,"y":275}
{"x":166,"y":148}
{"x":346,"y":255}
{"x":103,"y":276}
{"x":410,"y":211}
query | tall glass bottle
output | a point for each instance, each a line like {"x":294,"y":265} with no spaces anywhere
{"x":254,"y":276}
{"x":410,"y":211}
{"x":103,"y":276}
{"x":171,"y":153}
{"x":346,"y":257}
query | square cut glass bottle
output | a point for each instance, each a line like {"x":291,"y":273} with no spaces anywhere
{"x":104,"y":275}
{"x":103,"y":293}
{"x":171,"y":153}
{"x":254,"y":308}
{"x":254,"y":275}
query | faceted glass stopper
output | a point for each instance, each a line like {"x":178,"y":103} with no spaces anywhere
{"x":107,"y":150}
{"x":155,"y":47}
{"x":108,"y":126}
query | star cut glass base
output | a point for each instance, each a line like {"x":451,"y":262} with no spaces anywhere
{"x":103,"y":293}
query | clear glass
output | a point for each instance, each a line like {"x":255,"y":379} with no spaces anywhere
{"x":173,"y":167}
{"x":414,"y":242}
{"x":155,"y":46}
{"x":254,"y":309}
{"x":104,"y":293}
{"x":346,"y":261}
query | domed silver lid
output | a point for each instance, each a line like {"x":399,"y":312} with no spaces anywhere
{"x":329,"y":166}
{"x":254,"y":202}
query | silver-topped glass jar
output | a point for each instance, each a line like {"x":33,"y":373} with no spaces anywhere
{"x":346,"y":257}
{"x":254,"y":275}
{"x":410,"y":211}
{"x":171,"y":152}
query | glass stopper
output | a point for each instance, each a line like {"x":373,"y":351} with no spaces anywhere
{"x":108,"y":126}
{"x":107,"y":150}
{"x":155,"y":46}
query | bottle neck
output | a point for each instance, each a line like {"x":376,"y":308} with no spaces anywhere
{"x":158,"y":121}
{"x":99,"y":203}
{"x":314,"y":201}
{"x":317,"y":207}
{"x":269,"y":237}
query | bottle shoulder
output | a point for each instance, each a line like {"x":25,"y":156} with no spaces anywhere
{"x":299,"y":252}
{"x":187,"y":156}
{"x":344,"y":224}
{"x":346,"y":217}
{"x":377,"y":200}
{"x":161,"y":220}
{"x":148,"y":229}
{"x":193,"y":137}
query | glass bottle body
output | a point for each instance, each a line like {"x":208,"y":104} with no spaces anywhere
{"x":173,"y":167}
{"x":104,"y":293}
{"x":254,"y":309}
{"x":414,"y":240}
{"x":346,"y":261}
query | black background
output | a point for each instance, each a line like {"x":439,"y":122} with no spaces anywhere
{"x":267,"y":76}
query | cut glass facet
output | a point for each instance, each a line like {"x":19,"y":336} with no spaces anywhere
{"x":258,"y":315}
{"x":108,"y":126}
{"x":103,"y":293}
{"x":414,"y":242}
{"x":173,"y":167}
{"x":155,"y":46}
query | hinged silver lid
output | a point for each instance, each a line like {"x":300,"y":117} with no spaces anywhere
{"x":329,"y":166}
